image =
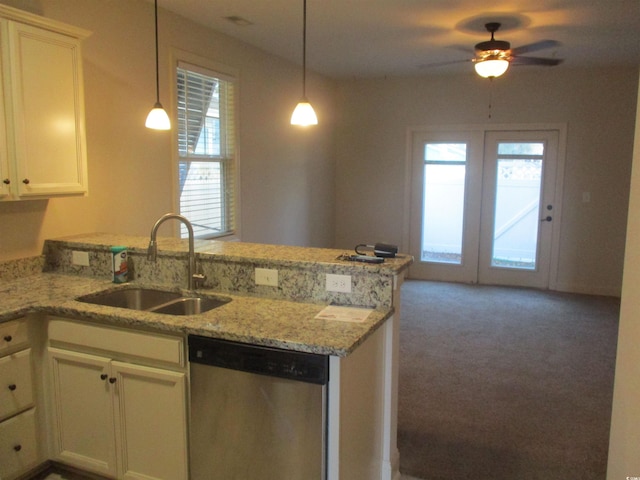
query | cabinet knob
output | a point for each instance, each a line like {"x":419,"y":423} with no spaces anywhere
{"x":25,"y":181}
{"x":112,"y":380}
{"x":17,"y":448}
{"x":104,"y":376}
{"x":6,"y":181}
{"x":12,"y":387}
{"x":8,"y":338}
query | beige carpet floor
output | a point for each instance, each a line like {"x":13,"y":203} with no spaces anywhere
{"x":504,"y":383}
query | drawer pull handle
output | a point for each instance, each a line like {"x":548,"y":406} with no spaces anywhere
{"x":8,"y":338}
{"x":12,"y":387}
{"x":113,"y":380}
{"x":6,"y":181}
{"x":17,"y":448}
{"x":103,"y":376}
{"x":26,"y":181}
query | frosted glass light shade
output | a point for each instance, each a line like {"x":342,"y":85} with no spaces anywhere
{"x":304,"y":114}
{"x":491,"y":68}
{"x":158,"y":118}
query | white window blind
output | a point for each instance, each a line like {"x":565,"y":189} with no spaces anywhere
{"x":206,"y":153}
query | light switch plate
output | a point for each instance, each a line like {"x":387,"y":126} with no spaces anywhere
{"x":80,"y":258}
{"x":267,"y":276}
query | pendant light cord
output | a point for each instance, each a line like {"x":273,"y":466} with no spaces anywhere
{"x":304,"y":48}
{"x":157,"y":62}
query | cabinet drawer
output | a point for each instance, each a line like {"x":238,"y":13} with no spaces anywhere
{"x":128,"y":343}
{"x":18,"y":445}
{"x":13,"y":335}
{"x":16,"y":387}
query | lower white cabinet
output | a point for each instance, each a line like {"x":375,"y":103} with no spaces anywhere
{"x":121,"y":419}
{"x":83,"y":406}
{"x":19,"y":450}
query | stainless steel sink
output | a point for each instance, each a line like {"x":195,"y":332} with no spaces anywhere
{"x":131,"y":298}
{"x":152,"y":300}
{"x":191,"y":305}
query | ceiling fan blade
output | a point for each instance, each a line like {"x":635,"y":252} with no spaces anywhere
{"x":442,"y":64}
{"x":534,"y":47}
{"x":464,"y":49}
{"x":549,"y":62}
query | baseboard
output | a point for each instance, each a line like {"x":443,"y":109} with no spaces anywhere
{"x":588,"y":289}
{"x":52,"y":467}
{"x":36,"y":473}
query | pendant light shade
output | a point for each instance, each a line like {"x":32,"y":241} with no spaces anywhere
{"x":303,"y":114}
{"x":157,"y":118}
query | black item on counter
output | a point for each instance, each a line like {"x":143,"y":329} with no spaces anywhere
{"x":383,"y":250}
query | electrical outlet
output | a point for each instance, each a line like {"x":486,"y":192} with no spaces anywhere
{"x":338,"y":283}
{"x":80,"y":258}
{"x":267,"y":276}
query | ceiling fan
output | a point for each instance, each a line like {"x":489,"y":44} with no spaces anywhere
{"x":493,"y":57}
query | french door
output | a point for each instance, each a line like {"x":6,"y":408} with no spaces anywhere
{"x":482,"y":206}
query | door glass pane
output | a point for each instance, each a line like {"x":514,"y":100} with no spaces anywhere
{"x":517,"y":207}
{"x":517,"y":148}
{"x":443,"y":209}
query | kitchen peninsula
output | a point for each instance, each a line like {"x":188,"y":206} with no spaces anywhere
{"x":362,"y":355}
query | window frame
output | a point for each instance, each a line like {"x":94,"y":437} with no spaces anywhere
{"x":224,"y":72}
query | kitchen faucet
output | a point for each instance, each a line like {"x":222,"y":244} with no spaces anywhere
{"x":152,"y":251}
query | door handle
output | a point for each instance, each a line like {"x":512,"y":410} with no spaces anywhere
{"x":548,"y":218}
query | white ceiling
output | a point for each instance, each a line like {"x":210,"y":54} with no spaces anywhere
{"x":365,"y":38}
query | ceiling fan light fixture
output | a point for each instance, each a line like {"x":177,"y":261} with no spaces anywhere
{"x":491,"y":66}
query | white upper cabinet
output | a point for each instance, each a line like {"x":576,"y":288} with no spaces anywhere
{"x":43,"y":149}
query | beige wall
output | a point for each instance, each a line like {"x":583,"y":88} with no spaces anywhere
{"x":287,"y":173}
{"x":324,"y":186}
{"x":624,"y":446}
{"x":597,"y":105}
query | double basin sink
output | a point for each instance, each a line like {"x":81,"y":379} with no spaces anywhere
{"x":153,"y":300}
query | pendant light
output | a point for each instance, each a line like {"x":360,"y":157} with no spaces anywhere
{"x":304,"y":114}
{"x":157,"y":118}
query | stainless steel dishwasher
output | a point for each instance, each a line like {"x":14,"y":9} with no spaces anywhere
{"x":256,"y":412}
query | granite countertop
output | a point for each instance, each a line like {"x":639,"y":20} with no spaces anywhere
{"x":254,"y":320}
{"x":276,"y":255}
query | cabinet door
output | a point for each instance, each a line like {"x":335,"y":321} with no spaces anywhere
{"x":83,"y":411}
{"x":48,"y":111}
{"x":151,"y":422}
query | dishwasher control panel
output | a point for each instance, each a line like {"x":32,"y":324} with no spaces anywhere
{"x":275,"y":362}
